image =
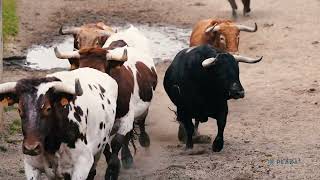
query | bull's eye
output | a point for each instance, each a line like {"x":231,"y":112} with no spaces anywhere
{"x":47,"y":110}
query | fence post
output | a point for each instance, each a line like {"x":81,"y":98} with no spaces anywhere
{"x":1,"y":64}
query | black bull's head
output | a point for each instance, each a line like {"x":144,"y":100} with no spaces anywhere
{"x":224,"y":68}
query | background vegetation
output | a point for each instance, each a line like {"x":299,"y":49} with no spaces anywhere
{"x":10,"y":19}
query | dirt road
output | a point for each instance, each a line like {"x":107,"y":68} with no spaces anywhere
{"x":277,"y":123}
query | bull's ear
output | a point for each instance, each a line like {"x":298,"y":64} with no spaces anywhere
{"x":8,"y":99}
{"x":8,"y":95}
{"x":64,"y":93}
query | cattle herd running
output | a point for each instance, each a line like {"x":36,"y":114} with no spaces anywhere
{"x":70,"y":118}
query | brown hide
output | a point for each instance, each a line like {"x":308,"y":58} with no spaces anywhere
{"x":147,"y":81}
{"x":227,"y":29}
{"x":96,"y":58}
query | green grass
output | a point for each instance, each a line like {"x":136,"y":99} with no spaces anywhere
{"x":10,"y":19}
{"x":15,"y":127}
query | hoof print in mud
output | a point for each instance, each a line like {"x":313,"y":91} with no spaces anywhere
{"x":144,"y":140}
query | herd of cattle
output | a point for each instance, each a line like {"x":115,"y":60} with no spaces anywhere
{"x":70,"y":118}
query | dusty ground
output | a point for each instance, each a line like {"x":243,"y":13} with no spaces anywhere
{"x":277,"y":120}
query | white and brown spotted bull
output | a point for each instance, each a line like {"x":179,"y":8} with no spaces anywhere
{"x":137,"y":80}
{"x":66,"y":119}
{"x":86,"y":36}
{"x":221,"y":34}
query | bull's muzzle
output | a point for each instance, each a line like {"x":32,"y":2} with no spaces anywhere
{"x":32,"y":149}
{"x":236,"y":91}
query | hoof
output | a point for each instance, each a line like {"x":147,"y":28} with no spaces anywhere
{"x":182,"y":136}
{"x":110,"y":175}
{"x":144,"y":140}
{"x":201,"y":139}
{"x":234,"y":14}
{"x":217,"y":145}
{"x":113,"y":169}
{"x":127,"y":162}
{"x":246,"y":12}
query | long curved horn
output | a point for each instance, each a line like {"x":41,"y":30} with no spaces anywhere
{"x":66,"y":55}
{"x":213,"y":28}
{"x":69,"y":30}
{"x":209,"y":62}
{"x":116,"y":56}
{"x":66,"y":88}
{"x":247,"y":28}
{"x":247,"y":59}
{"x":8,"y":87}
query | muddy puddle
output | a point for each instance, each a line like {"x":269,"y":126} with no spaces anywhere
{"x":165,"y":42}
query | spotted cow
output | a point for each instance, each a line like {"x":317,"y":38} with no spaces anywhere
{"x":66,"y":119}
{"x":137,"y":80}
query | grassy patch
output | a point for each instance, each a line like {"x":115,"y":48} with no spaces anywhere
{"x":10,"y":19}
{"x":15,"y":127}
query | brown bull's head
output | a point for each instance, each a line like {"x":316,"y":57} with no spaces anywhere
{"x":87,"y":36}
{"x":41,"y":103}
{"x":226,"y":35}
{"x":97,"y":58}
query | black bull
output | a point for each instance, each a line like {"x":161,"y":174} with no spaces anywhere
{"x":200,"y":89}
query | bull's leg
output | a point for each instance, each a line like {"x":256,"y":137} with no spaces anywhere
{"x":246,"y":7}
{"x":113,"y":169}
{"x":126,"y":157}
{"x":188,"y":125}
{"x":144,"y":138}
{"x":217,"y":144}
{"x":234,"y":7}
{"x":196,"y":126}
{"x":31,"y":172}
{"x":107,"y":153}
{"x":92,"y":174}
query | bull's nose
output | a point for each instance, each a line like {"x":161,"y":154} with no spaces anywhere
{"x":31,"y":149}
{"x":240,"y":94}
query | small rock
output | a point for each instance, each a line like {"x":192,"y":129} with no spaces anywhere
{"x":246,"y":141}
{"x":3,"y":149}
{"x":268,"y":24}
{"x":315,"y":42}
{"x":311,"y":90}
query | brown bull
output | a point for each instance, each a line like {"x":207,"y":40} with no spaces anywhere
{"x":87,"y":36}
{"x":221,"y":34}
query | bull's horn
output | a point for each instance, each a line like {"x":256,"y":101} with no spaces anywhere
{"x":116,"y":56}
{"x":66,"y":88}
{"x":247,"y":28}
{"x":247,"y":59}
{"x":69,"y":30}
{"x":105,"y":32}
{"x":213,"y":28}
{"x":8,"y":87}
{"x":66,"y":55}
{"x":208,"y":62}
